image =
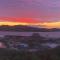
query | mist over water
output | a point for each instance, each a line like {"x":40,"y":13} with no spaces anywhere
{"x":44,"y":34}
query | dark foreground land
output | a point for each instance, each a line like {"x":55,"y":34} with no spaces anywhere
{"x":7,"y":54}
{"x":14,"y":48}
{"x":28,"y":48}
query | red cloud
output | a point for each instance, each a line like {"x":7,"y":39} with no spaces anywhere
{"x":24,"y":20}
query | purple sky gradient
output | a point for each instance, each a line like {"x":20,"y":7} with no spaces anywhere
{"x":45,"y":10}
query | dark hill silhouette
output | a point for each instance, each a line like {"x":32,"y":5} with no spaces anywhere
{"x":22,"y":28}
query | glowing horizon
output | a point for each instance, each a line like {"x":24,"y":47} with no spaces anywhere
{"x":39,"y":24}
{"x":41,"y":13}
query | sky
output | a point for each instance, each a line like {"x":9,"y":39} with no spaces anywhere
{"x":38,"y":11}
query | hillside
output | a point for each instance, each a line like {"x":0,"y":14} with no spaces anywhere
{"x":22,"y":28}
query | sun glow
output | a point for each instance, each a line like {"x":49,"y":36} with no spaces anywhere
{"x":17,"y":23}
{"x":12,"y":23}
{"x":40,"y":24}
{"x":51,"y":24}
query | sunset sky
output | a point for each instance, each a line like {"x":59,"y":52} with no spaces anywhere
{"x":43,"y":13}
